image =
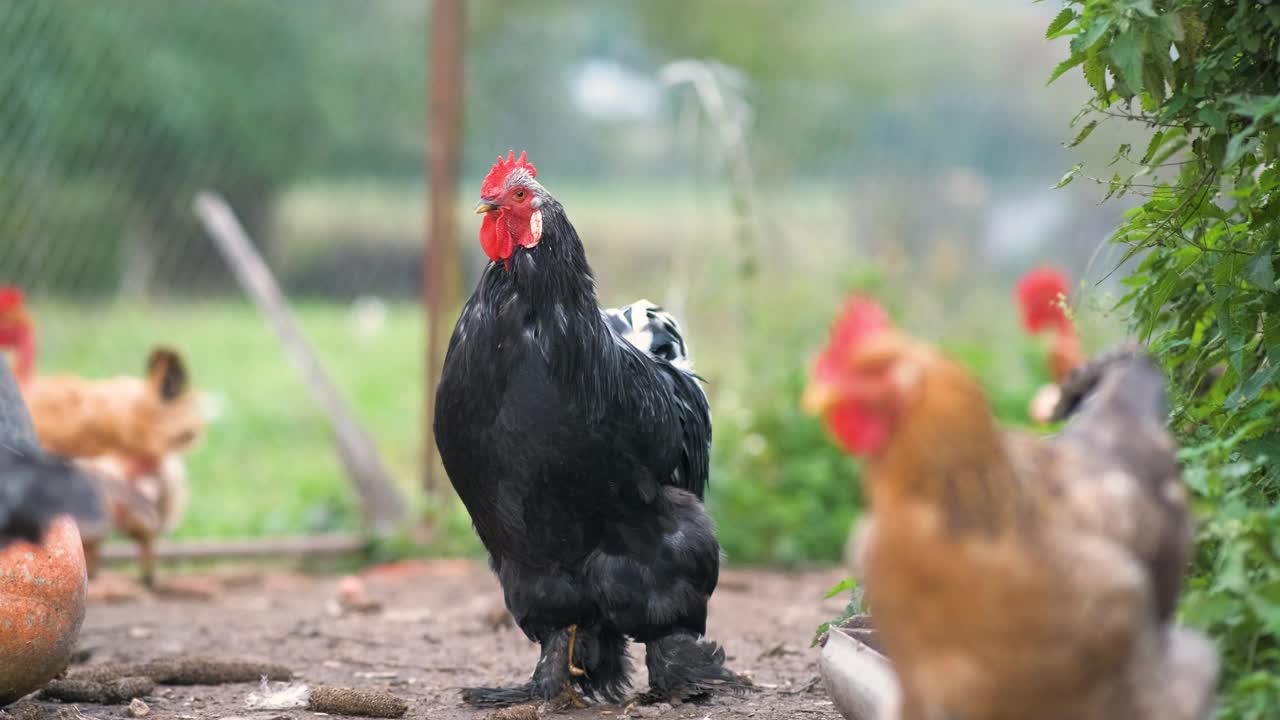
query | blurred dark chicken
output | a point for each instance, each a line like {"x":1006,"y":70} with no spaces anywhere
{"x":35,"y":488}
{"x":1012,"y":576}
{"x":582,"y":460}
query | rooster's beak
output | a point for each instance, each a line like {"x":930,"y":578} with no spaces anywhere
{"x":818,"y":398}
{"x":485,"y":206}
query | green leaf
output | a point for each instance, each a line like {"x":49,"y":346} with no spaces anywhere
{"x":1095,"y":73}
{"x":1204,"y":609}
{"x":1250,"y":41}
{"x":1158,"y":295}
{"x":1062,"y":20}
{"x":1170,"y":149}
{"x":1267,"y":445}
{"x":1064,"y":66}
{"x":1250,"y":388}
{"x":1092,"y":35}
{"x":1216,"y":150}
{"x":1152,"y":146}
{"x":1173,"y":27}
{"x":1084,"y":133}
{"x":1069,"y":176}
{"x":1213,"y":117}
{"x":1126,"y":58}
{"x":1194,"y":31}
{"x":1261,"y":272}
{"x":1122,"y":153}
{"x":843,"y":586}
{"x":1143,"y":7}
{"x":1240,"y":144}
{"x":1153,"y":80}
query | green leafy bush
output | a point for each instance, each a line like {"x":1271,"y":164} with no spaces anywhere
{"x":1204,"y":77}
{"x":782,"y":492}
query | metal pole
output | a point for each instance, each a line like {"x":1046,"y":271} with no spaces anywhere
{"x":444,"y":149}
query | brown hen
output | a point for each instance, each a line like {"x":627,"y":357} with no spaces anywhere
{"x":129,"y":432}
{"x":1012,"y":576}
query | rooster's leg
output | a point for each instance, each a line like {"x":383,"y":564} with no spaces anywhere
{"x":147,"y":558}
{"x":551,"y":682}
{"x":569,"y":697}
{"x":574,"y":670}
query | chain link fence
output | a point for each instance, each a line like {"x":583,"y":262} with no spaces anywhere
{"x":114,"y":115}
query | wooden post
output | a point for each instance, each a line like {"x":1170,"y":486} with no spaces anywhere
{"x":444,"y":150}
{"x":383,"y":507}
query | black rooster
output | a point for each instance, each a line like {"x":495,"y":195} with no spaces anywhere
{"x":582,"y":460}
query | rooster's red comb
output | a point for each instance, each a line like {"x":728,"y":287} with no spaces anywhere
{"x":10,"y":297}
{"x":1040,"y":294}
{"x":492,"y":185}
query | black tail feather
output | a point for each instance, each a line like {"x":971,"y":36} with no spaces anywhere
{"x":501,"y":696}
{"x":685,"y":667}
{"x":35,"y":488}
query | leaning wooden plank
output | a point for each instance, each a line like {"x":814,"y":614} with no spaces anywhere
{"x":382,"y":504}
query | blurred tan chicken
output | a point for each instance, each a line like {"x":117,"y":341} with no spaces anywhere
{"x":130,"y":433}
{"x":139,"y":418}
{"x":1011,"y":576}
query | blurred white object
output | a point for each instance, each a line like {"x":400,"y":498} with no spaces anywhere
{"x":283,"y":696}
{"x":861,"y":682}
{"x":606,"y":90}
{"x":213,"y":406}
{"x":1044,"y":402}
{"x":369,"y":316}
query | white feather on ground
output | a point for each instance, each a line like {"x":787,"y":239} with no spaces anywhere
{"x":283,"y":696}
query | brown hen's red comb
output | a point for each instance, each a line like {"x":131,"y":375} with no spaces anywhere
{"x":492,"y":185}
{"x":1039,"y":294}
{"x":861,"y":318}
{"x":10,"y":298}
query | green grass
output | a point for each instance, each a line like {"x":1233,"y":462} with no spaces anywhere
{"x":267,"y":465}
{"x":781,"y":494}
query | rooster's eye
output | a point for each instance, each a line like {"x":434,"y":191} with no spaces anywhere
{"x":519,"y":194}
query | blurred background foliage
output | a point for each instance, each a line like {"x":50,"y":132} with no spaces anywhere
{"x":909,"y":146}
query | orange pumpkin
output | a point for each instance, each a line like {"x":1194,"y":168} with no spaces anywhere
{"x":42,"y":603}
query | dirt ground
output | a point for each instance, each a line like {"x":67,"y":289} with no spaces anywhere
{"x":439,"y":629}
